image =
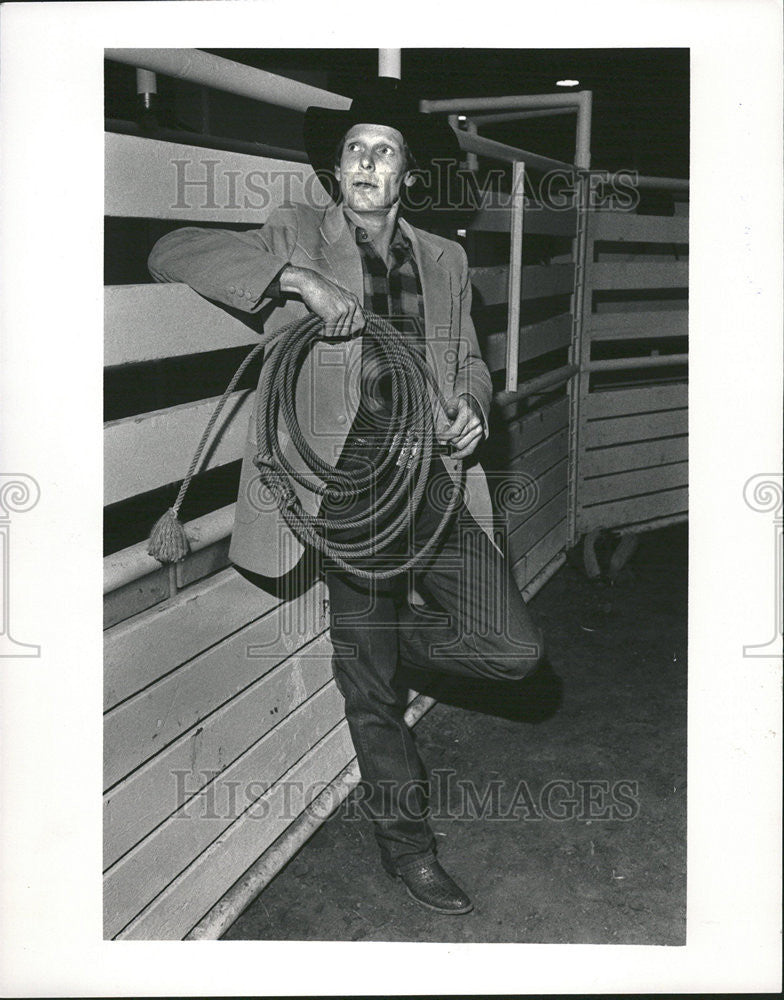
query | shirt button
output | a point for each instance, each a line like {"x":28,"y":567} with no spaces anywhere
{"x":362,"y":235}
{"x":232,"y":289}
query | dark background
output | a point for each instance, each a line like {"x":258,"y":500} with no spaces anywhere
{"x":640,"y":115}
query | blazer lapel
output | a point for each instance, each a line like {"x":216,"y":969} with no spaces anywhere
{"x":340,"y":251}
{"x":436,"y":284}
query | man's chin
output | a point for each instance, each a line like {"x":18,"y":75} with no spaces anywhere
{"x":367,"y":201}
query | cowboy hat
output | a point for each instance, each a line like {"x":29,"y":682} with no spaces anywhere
{"x":383,"y":102}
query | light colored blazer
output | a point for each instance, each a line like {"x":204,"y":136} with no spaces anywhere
{"x":237,"y":268}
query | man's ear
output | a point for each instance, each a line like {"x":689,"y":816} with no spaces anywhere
{"x":336,"y":172}
{"x":409,"y":179}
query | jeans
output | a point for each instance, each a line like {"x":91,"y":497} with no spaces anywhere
{"x":475,"y":624}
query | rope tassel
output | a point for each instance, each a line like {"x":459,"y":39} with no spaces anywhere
{"x":168,"y":542}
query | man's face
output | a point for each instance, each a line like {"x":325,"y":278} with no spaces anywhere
{"x":372,"y":168}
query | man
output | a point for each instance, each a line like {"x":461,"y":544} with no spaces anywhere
{"x":357,"y":256}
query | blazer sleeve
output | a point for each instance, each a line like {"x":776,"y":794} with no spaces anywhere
{"x":472,"y":376}
{"x":235,"y":268}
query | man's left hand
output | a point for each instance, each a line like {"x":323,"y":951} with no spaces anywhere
{"x":465,"y":430}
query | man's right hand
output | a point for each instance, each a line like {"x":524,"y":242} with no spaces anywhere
{"x":340,"y":309}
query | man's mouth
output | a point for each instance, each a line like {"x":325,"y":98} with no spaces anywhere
{"x":364,"y":184}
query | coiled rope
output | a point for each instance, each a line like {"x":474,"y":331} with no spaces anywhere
{"x":406,"y":449}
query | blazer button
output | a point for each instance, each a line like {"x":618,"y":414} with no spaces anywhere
{"x":232,"y":289}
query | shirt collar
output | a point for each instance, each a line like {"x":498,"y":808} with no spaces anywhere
{"x":360,"y":235}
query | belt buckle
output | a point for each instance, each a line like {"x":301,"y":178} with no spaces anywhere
{"x":409,"y":449}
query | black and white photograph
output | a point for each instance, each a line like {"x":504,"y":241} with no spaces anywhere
{"x":463,"y":275}
{"x":413,"y":395}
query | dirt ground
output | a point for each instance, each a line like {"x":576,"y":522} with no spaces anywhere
{"x":581,"y":837}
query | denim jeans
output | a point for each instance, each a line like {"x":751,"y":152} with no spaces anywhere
{"x":474,"y":624}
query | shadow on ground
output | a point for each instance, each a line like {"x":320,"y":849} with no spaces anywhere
{"x":563,"y":814}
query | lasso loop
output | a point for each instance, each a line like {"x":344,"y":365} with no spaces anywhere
{"x":389,"y":488}
{"x":395,"y":485}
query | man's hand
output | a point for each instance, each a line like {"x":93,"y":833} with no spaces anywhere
{"x":340,"y":309}
{"x":465,"y":430}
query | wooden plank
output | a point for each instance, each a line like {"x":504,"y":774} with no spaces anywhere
{"x":641,"y":427}
{"x":204,"y":562}
{"x":141,"y":726}
{"x":644,"y":399}
{"x":628,"y":326}
{"x":491,"y":284}
{"x":535,"y":339}
{"x":494,"y":216}
{"x":543,"y":280}
{"x":632,"y":511}
{"x":135,"y":597}
{"x":140,"y":652}
{"x":625,"y":226}
{"x":608,"y":276}
{"x":629,"y":484}
{"x":548,"y":485}
{"x":148,"y":178}
{"x":150,"y":866}
{"x":184,"y":901}
{"x":543,"y":456}
{"x":532,"y":529}
{"x":543,"y":221}
{"x":150,"y":795}
{"x":640,"y":454}
{"x":147,"y":322}
{"x":144,"y":452}
{"x":527,"y":566}
{"x":528,"y":430}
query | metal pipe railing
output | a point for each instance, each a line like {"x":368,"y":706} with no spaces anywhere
{"x":510,"y":154}
{"x":464,"y":105}
{"x":622,"y":364}
{"x":581,"y":101}
{"x":234,"y":78}
{"x":662,"y":183}
{"x":511,"y":116}
{"x":514,"y":294}
{"x":534,"y":386}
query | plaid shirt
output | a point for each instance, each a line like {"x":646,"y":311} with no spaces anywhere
{"x":395,"y":292}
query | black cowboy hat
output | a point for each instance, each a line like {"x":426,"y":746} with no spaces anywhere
{"x":383,"y":102}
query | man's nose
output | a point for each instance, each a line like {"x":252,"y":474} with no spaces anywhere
{"x":366,"y":160}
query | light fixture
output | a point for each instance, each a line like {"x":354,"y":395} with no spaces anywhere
{"x":567,"y":83}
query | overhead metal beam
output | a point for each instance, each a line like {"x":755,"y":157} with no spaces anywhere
{"x":224,"y":74}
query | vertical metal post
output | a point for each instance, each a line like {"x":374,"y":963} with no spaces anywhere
{"x":472,"y":160}
{"x":389,"y":63}
{"x":582,"y":153}
{"x":515,"y":275}
{"x":579,"y":354}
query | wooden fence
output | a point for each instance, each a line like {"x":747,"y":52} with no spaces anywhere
{"x":632,"y":460}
